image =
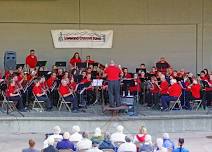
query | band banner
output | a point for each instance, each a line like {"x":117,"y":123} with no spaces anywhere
{"x":82,"y":38}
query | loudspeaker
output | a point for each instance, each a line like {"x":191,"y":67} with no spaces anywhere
{"x":130,"y":102}
{"x":10,"y":60}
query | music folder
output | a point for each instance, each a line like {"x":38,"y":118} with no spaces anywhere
{"x":97,"y":82}
{"x":60,"y":64}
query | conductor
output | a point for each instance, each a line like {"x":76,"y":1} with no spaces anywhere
{"x":113,"y":73}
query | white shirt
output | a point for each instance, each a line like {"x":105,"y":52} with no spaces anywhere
{"x":127,"y":147}
{"x":75,"y":137}
{"x":94,"y":149}
{"x":56,"y":138}
{"x":117,"y":136}
{"x":84,"y":144}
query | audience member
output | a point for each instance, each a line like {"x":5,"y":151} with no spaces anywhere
{"x":50,"y":147}
{"x":180,"y":148}
{"x":65,"y":143}
{"x":159,"y":144}
{"x":76,"y":136}
{"x":106,"y":143}
{"x":85,"y":143}
{"x":97,"y":135}
{"x":127,"y":146}
{"x":31,"y":147}
{"x":118,"y":136}
{"x":167,"y":143}
{"x":140,"y":137}
{"x":94,"y":147}
{"x":147,"y":145}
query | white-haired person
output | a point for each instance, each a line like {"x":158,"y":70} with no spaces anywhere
{"x":65,"y":143}
{"x":56,"y":136}
{"x":75,"y":137}
{"x":50,"y":147}
{"x":85,"y":143}
{"x":118,"y":136}
{"x":127,"y":146}
{"x":167,"y":142}
{"x":94,"y":148}
{"x":175,"y":91}
{"x":159,"y":146}
{"x":147,"y":145}
{"x":97,"y":137}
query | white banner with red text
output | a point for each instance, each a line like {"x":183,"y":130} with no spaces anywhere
{"x":82,"y":38}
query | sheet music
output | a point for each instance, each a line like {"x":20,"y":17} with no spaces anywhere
{"x":97,"y":82}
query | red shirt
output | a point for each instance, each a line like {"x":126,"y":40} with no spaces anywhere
{"x":90,"y":61}
{"x":154,"y":89}
{"x":164,"y":87}
{"x":64,"y":90}
{"x":195,"y":90}
{"x":112,"y":72}
{"x":50,"y":82}
{"x":175,"y":90}
{"x":37,"y":90}
{"x":136,"y":87}
{"x":127,"y":76}
{"x":31,"y":61}
{"x":10,"y":89}
{"x":73,"y":61}
{"x":73,"y":85}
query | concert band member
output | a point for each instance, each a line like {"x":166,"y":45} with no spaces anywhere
{"x":13,"y":94}
{"x":126,"y":75}
{"x":136,"y":89}
{"x":88,"y":60}
{"x":31,"y":60}
{"x":174,"y":91}
{"x":41,"y":95}
{"x":75,"y":59}
{"x":162,"y":65}
{"x":68,"y":95}
{"x":154,"y":92}
{"x":164,"y":86}
{"x":113,"y":73}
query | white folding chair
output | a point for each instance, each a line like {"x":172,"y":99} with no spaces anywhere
{"x":62,"y":102}
{"x":195,"y":104}
{"x":8,"y":104}
{"x":37,"y":104}
{"x":172,"y":104}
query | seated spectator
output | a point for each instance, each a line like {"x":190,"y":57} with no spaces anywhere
{"x":175,"y":91}
{"x":31,"y":147}
{"x":76,"y":136}
{"x":106,"y":143}
{"x":94,"y":147}
{"x":127,"y":146}
{"x":97,"y":136}
{"x":118,"y":136}
{"x":180,"y":148}
{"x":56,"y":136}
{"x":85,"y":143}
{"x":65,"y":143}
{"x":167,"y":143}
{"x":147,"y":145}
{"x":159,"y":144}
{"x":50,"y":147}
{"x":140,"y":137}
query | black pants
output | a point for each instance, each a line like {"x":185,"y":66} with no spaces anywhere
{"x":17,"y":99}
{"x":114,"y":93}
{"x":73,"y":99}
{"x":46,"y":100}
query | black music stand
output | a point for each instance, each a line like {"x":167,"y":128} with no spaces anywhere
{"x":41,"y":64}
{"x":94,"y":64}
{"x":128,"y":83}
{"x":60,"y":64}
{"x":45,"y":74}
{"x":139,"y":70}
{"x":82,"y":65}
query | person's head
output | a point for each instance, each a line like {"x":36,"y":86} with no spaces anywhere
{"x":125,"y":70}
{"x":159,"y":143}
{"x":66,"y":135}
{"x":85,"y":134}
{"x":173,"y":81}
{"x":162,"y":77}
{"x":50,"y":141}
{"x":120,"y":128}
{"x":88,"y":76}
{"x":154,"y":69}
{"x":148,"y":139}
{"x":127,"y":139}
{"x":162,"y":59}
{"x":20,"y":69}
{"x":88,"y":57}
{"x":206,"y":71}
{"x":181,"y":142}
{"x":112,"y":62}
{"x":84,"y":73}
{"x":32,"y":52}
{"x":56,"y":130}
{"x":165,"y":136}
{"x":15,"y":77}
{"x":64,"y":82}
{"x":53,"y":75}
{"x":202,"y":74}
{"x":60,"y":71}
{"x":31,"y":143}
{"x":76,"y":55}
{"x":75,"y":129}
{"x":37,"y":81}
{"x":142,"y":66}
{"x":135,"y":76}
{"x":195,"y":81}
{"x":98,"y":132}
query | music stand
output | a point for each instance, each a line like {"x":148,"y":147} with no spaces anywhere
{"x":94,"y":64}
{"x":45,"y":74}
{"x":128,"y":83}
{"x":41,"y":63}
{"x":82,"y":65}
{"x":139,"y":70}
{"x":60,"y":64}
{"x":94,"y":74}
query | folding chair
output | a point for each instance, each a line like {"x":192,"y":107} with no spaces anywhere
{"x":8,"y":105}
{"x":195,"y":104}
{"x":62,"y":102}
{"x":38,"y":103}
{"x":174,"y":103}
